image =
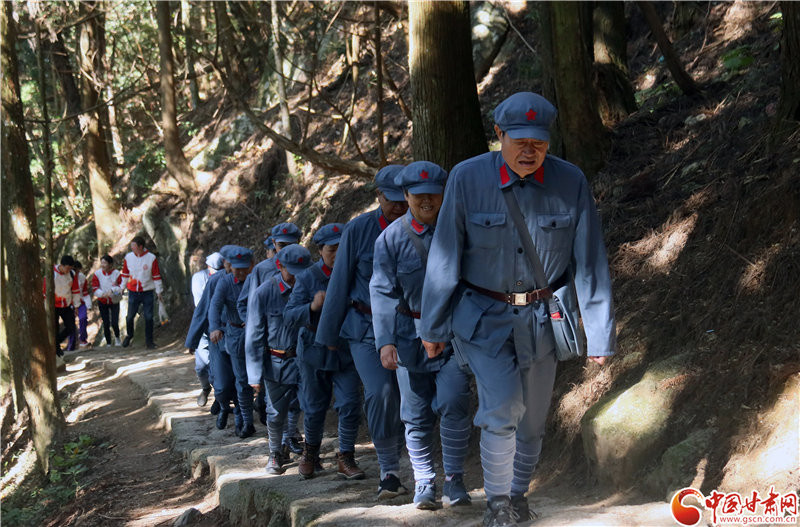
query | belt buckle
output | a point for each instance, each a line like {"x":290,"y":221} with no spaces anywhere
{"x":519,"y":299}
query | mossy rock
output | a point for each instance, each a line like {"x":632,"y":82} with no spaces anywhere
{"x":623,"y":432}
{"x":678,"y":466}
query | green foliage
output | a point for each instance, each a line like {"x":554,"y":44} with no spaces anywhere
{"x":64,"y":484}
{"x":660,"y":90}
{"x":148,"y":160}
{"x":736,"y":59}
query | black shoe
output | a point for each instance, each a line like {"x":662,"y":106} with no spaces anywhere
{"x":222,"y":418}
{"x":152,"y":346}
{"x":390,"y":487}
{"x":294,"y":446}
{"x":214,"y":407}
{"x":455,"y":493}
{"x":246,"y":431}
{"x":127,"y":341}
{"x":202,"y":399}
{"x":521,"y":509}
{"x":499,"y":513}
{"x":59,"y":352}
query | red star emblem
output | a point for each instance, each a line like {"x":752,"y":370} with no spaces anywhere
{"x":423,"y":174}
{"x":285,"y":231}
{"x":335,"y":229}
{"x":531,"y":115}
{"x":300,"y":260}
{"x":238,"y":256}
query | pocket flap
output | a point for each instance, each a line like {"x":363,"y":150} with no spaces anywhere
{"x":488,"y":219}
{"x":553,"y":221}
{"x":409,"y":266}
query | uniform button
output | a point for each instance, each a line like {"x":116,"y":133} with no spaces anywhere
{"x":519,"y":250}
{"x":519,"y":282}
{"x":553,"y":225}
{"x":487,"y":223}
{"x":521,"y":184}
{"x":516,"y":311}
{"x":469,"y":293}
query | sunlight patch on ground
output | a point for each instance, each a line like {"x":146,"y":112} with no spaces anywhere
{"x":660,"y":249}
{"x":754,"y":275}
{"x":12,"y":478}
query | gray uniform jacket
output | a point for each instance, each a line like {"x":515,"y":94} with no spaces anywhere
{"x":224,"y":299}
{"x":260,"y":274}
{"x":476,"y":241}
{"x":199,"y":325}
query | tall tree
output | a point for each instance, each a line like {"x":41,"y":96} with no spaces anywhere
{"x":578,"y":134}
{"x":231,"y":58}
{"x":379,"y":84}
{"x":684,"y":81}
{"x":95,"y":153}
{"x":286,"y":118}
{"x":789,"y":107}
{"x":22,"y":312}
{"x":610,"y":47}
{"x":189,"y":21}
{"x":446,"y":110}
{"x":177,"y":165}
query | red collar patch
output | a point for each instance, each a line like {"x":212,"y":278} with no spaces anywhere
{"x":283,"y":287}
{"x":327,"y":270}
{"x":539,"y":174}
{"x":504,"y":177}
{"x":417,"y":225}
{"x":531,"y":115}
{"x":383,"y":222}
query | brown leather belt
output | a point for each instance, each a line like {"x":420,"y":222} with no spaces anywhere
{"x":283,"y":354}
{"x":521,"y":299}
{"x":234,"y":324}
{"x":407,"y":312}
{"x":367,"y":310}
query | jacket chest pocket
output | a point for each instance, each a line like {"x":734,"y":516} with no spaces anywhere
{"x":410,"y":273}
{"x":365,"y":265}
{"x":485,"y":229}
{"x":555,"y":231}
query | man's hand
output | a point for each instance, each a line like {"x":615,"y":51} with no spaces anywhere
{"x":434,"y":349}
{"x":319,"y":299}
{"x":256,"y":387}
{"x":216,"y":336}
{"x":598,"y":360}
{"x":190,"y":351}
{"x":333,"y":348}
{"x":160,"y":298}
{"x":77,"y":311}
{"x":389,"y":357}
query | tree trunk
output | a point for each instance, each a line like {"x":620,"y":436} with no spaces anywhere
{"x":177,"y":165}
{"x":286,"y":118}
{"x":231,"y":60}
{"x":379,"y":85}
{"x":95,"y":153}
{"x":60,"y":57}
{"x":789,"y":106}
{"x":248,"y":28}
{"x":22,"y":313}
{"x":189,"y":15}
{"x":682,"y":79}
{"x":578,"y":134}
{"x":447,"y":115}
{"x":615,"y":92}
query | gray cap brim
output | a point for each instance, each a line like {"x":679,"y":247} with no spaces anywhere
{"x":529,"y":132}
{"x":426,"y":188}
{"x":392,"y":194}
{"x":333,"y":240}
{"x":236,"y":264}
{"x":294,"y":270}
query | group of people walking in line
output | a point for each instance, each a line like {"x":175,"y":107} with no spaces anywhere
{"x":409,"y":300}
{"x":140,"y":278}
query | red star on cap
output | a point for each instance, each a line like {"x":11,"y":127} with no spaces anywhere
{"x":531,"y":115}
{"x":423,"y":174}
{"x":300,"y":260}
{"x":285,"y":231}
{"x":335,"y":229}
{"x":239,"y":256}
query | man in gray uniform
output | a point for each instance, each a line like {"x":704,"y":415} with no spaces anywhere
{"x":480,"y":287}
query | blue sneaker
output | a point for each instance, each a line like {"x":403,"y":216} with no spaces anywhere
{"x":390,"y":487}
{"x":425,"y":494}
{"x":455,"y":493}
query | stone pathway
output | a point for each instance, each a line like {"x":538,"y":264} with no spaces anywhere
{"x":253,"y":498}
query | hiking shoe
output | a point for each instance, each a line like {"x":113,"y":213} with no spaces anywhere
{"x":117,"y":342}
{"x":425,"y":494}
{"x":455,"y":493}
{"x":214,"y":408}
{"x":390,"y":487}
{"x":521,"y":509}
{"x":348,"y":467}
{"x":294,"y":446}
{"x":127,"y":341}
{"x":499,"y":513}
{"x":309,"y":462}
{"x":202,"y":399}
{"x":222,"y":418}
{"x":246,"y":431}
{"x":152,"y":346}
{"x":275,"y":463}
